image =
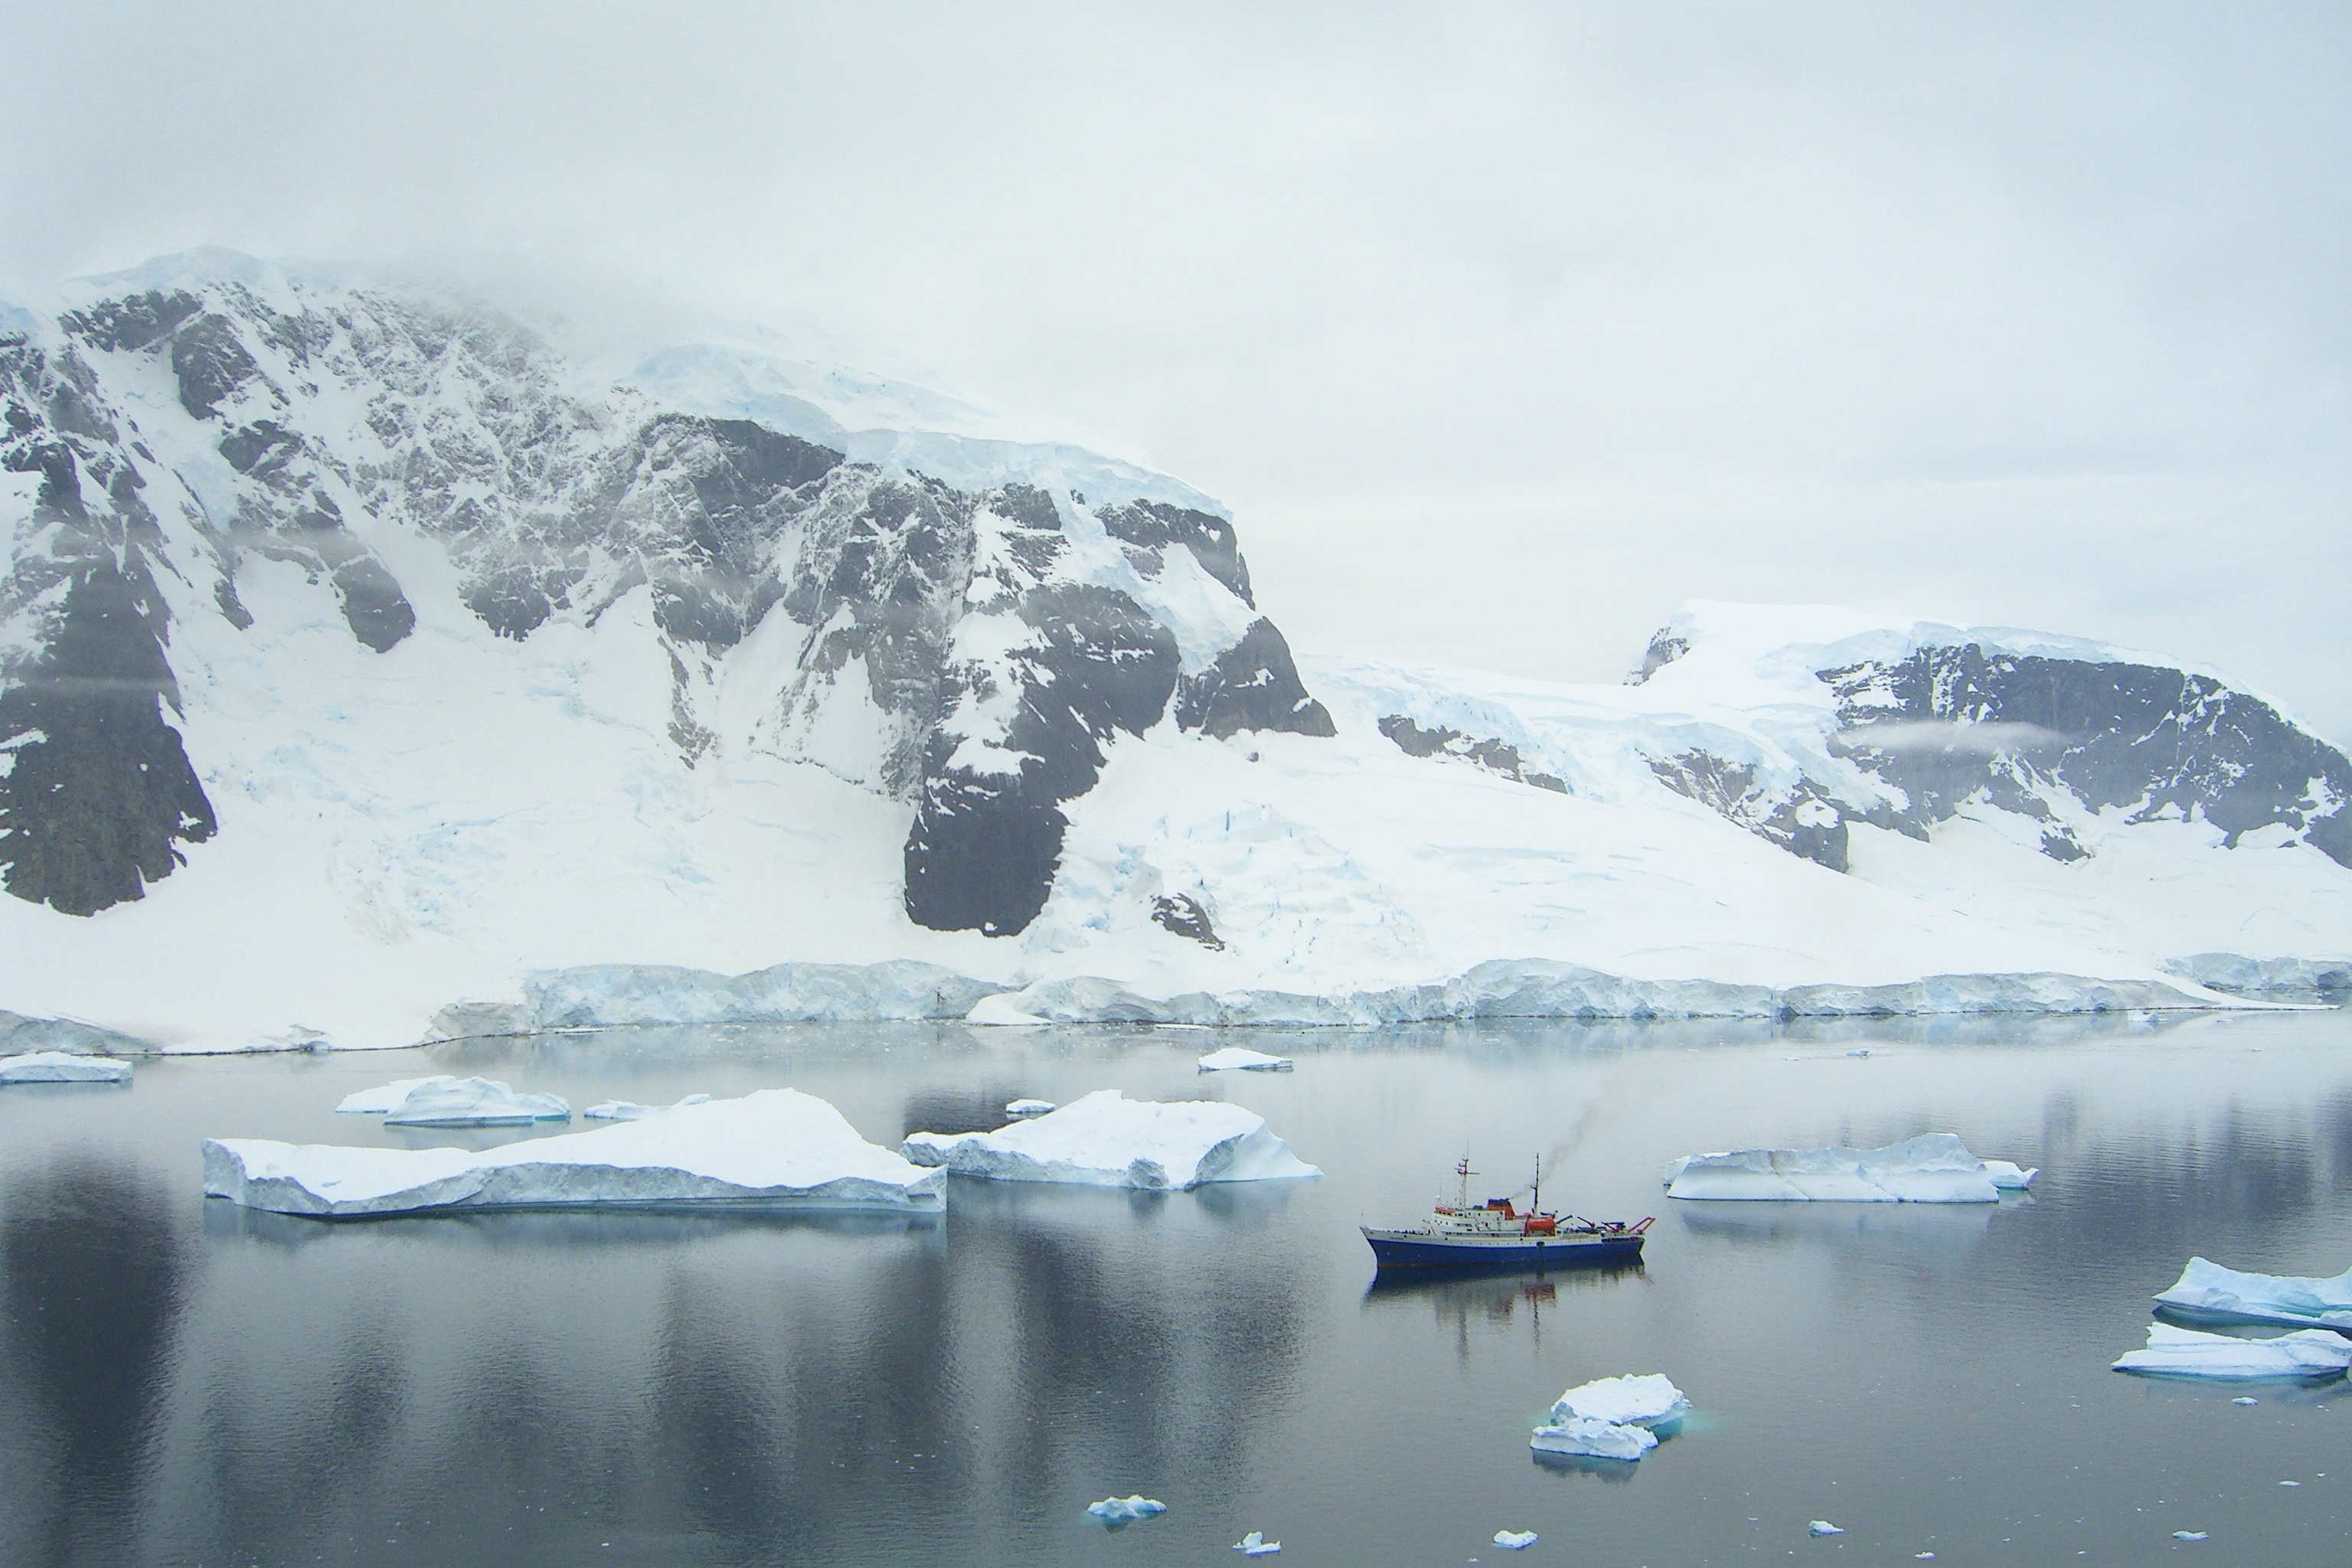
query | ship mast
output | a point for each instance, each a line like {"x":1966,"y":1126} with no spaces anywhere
{"x":1462,"y":1202}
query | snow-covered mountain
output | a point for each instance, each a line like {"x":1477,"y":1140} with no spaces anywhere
{"x":362,"y":650}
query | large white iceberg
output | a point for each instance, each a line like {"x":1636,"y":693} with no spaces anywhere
{"x":2215,"y":1294}
{"x":1933,"y":1168}
{"x":776,"y":1148}
{"x":444,"y":1101}
{"x":1583,"y":1437}
{"x":1241,"y":1059}
{"x":2310,"y":1354}
{"x":1647,"y":1400}
{"x":1107,"y":1140}
{"x":62,"y":1067}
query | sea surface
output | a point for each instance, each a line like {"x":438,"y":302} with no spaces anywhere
{"x":185,"y":1383}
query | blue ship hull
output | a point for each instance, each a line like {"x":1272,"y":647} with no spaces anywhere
{"x":1418,"y":1249}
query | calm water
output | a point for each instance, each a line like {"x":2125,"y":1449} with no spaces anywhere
{"x":185,"y":1383}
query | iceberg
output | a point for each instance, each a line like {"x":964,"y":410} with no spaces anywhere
{"x":1580,"y":1435}
{"x":1107,"y":1140}
{"x":1933,"y":1168}
{"x":1240,"y":1058}
{"x":1515,"y":1539}
{"x":443,"y":1101}
{"x":1822,"y":1527}
{"x":62,"y":1067}
{"x":774,"y":1148}
{"x":630,"y":1111}
{"x":1022,"y":1109}
{"x":1649,"y":1400}
{"x":1115,"y":1511}
{"x":2210,"y":1293}
{"x":2309,"y":1355}
{"x":1256,"y":1544}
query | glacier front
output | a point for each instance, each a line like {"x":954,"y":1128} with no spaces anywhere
{"x":776,"y":1148}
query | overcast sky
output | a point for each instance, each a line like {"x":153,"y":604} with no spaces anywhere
{"x":1502,"y":330}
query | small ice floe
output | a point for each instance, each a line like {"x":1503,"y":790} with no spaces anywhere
{"x":1106,"y":1140}
{"x":2311,"y":1355}
{"x":1256,"y":1544}
{"x":2290,"y":1483}
{"x":1859,"y":1056}
{"x":1933,"y":1168}
{"x":62,"y":1067}
{"x":1648,"y":1400}
{"x":2245,"y":1399}
{"x":447,"y":1101}
{"x":1241,"y":1059}
{"x":2218,"y":1295}
{"x":777,"y":1148}
{"x":1822,"y":1527}
{"x":630,"y":1111}
{"x":1515,"y":1539}
{"x":1583,"y":1437}
{"x":2187,"y":1535}
{"x":1115,"y":1511}
{"x":1022,"y":1109}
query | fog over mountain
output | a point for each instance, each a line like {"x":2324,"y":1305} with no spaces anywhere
{"x":1507,"y":332}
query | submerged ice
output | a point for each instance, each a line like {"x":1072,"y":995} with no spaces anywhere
{"x":2311,"y":1355}
{"x":773,"y":1148}
{"x":2208,"y":1291}
{"x":1107,"y":1140}
{"x":1933,"y":1168}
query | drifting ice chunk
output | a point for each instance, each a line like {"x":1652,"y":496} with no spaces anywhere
{"x":776,"y":1148}
{"x":1243,"y":1059}
{"x":60,"y":1067}
{"x":1515,"y":1539}
{"x":2311,"y":1355}
{"x":1257,"y":1545}
{"x":1022,"y":1109}
{"x":446,"y":1102}
{"x":629,"y":1111}
{"x":2010,"y":1177}
{"x":1115,"y":1511}
{"x":1933,"y":1168}
{"x":1822,"y":1527}
{"x":384,"y":1102}
{"x":2189,"y":1535}
{"x":1648,"y":1400}
{"x":1582,"y":1435}
{"x":2219,"y":1295}
{"x":1106,"y":1140}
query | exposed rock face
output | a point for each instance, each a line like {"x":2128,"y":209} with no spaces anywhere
{"x":1181,"y":914}
{"x":1496,"y":756}
{"x":970,"y":650}
{"x":1802,"y":819}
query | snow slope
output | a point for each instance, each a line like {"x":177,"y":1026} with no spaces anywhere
{"x":362,"y":653}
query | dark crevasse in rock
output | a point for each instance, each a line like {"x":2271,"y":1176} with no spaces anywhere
{"x":99,"y":792}
{"x":982,"y":852}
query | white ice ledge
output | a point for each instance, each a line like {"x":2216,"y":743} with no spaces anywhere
{"x":2309,"y":1355}
{"x":1106,"y":1140}
{"x":444,"y":1101}
{"x":62,"y":1067}
{"x":776,"y":1148}
{"x":1933,"y":1168}
{"x":2208,"y":1291}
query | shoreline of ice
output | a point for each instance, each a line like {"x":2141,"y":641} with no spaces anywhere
{"x":1933,"y":1168}
{"x":775,"y":1148}
{"x":1106,"y":1140}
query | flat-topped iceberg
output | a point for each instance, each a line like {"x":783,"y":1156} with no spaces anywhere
{"x":630,"y":1111}
{"x":446,"y":1100}
{"x":1583,"y":1437}
{"x":1110,"y":1140}
{"x":776,"y":1148}
{"x":2218,"y":1295}
{"x":2310,"y":1355}
{"x":1241,"y":1059}
{"x":1933,"y":1168}
{"x":1022,"y":1109}
{"x":62,"y":1067}
{"x":1648,"y":1400}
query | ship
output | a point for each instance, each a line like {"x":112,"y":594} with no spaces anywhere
{"x":1497,"y":1234}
